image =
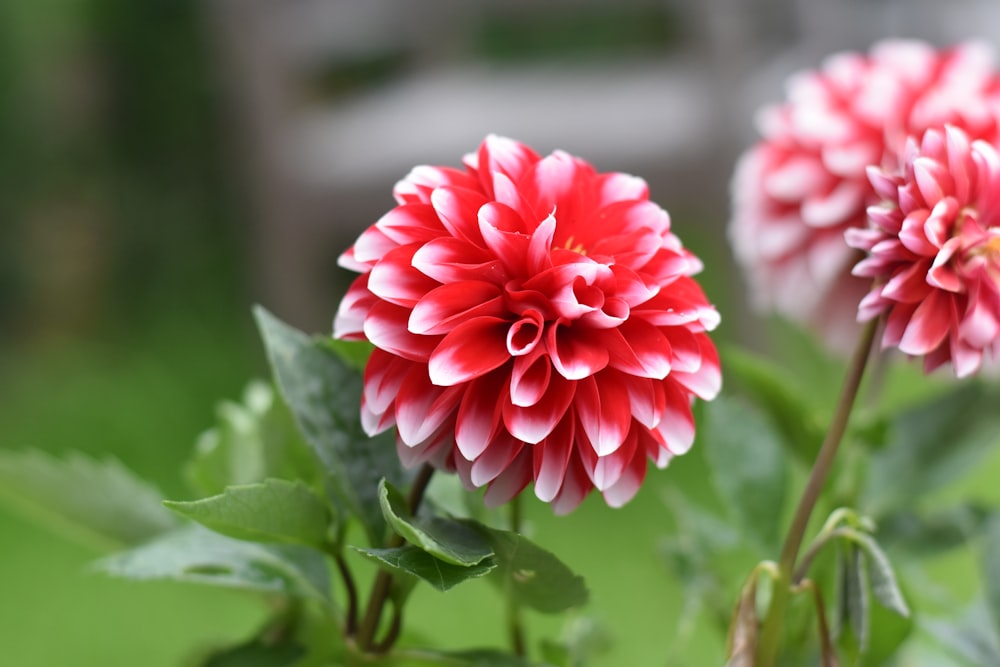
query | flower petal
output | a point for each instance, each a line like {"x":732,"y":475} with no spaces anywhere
{"x":471,"y":349}
{"x":576,"y":352}
{"x":422,"y":408}
{"x":535,"y":422}
{"x":550,"y":459}
{"x":604,"y":411}
{"x":443,"y":308}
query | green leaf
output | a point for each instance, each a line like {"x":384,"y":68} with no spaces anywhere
{"x":451,"y":541}
{"x":438,"y":573}
{"x":98,"y":502}
{"x":884,"y":586}
{"x":781,"y":398}
{"x":531,"y":576}
{"x":257,"y":654}
{"x":991,"y":570}
{"x":196,"y":554}
{"x":251,"y":441}
{"x":354,"y":353}
{"x":324,"y":395}
{"x":749,"y":468}
{"x":932,"y":445}
{"x":852,"y":600}
{"x":272,"y":511}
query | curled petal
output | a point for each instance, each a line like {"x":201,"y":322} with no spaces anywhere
{"x":525,"y":334}
{"x":529,"y":378}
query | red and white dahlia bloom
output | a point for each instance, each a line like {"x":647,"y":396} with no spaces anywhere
{"x":534,"y":320}
{"x":804,"y":183}
{"x":934,"y":251}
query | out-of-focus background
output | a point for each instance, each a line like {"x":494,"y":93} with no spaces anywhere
{"x":164,"y":164}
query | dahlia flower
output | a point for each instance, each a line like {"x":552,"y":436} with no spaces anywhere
{"x":934,"y":251}
{"x":534,"y":320}
{"x":804,"y":183}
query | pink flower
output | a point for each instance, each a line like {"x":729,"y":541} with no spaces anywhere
{"x":804,"y":184}
{"x":934,"y":251}
{"x":534,"y":320}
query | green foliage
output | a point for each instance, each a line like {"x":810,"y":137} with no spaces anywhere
{"x":991,"y":571}
{"x":531,"y":576}
{"x":251,"y":441}
{"x":782,"y":399}
{"x":971,"y":638}
{"x":258,"y":654}
{"x":749,"y":468}
{"x":883,"y":579}
{"x":440,"y":574}
{"x":323,"y":393}
{"x":448,"y":540}
{"x":271,"y":511}
{"x":476,"y":658}
{"x":354,"y":353}
{"x":923,"y":535}
{"x":195,"y":554}
{"x":853,"y":597}
{"x":932,"y":445}
{"x":582,"y":639}
{"x":99,"y":502}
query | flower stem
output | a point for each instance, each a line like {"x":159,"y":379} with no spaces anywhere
{"x":514,"y":623}
{"x":770,"y":638}
{"x":384,"y":579}
{"x":351,"y":614}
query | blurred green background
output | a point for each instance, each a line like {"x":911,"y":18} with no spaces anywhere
{"x":126,"y":280}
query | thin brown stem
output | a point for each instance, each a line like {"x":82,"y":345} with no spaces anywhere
{"x":767,"y":651}
{"x":384,"y":579}
{"x":351,"y":621}
{"x":395,"y":628}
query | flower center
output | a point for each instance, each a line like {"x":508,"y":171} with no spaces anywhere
{"x":573,"y":245}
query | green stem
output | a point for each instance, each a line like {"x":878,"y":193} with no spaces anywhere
{"x":384,"y":579}
{"x":770,"y":638}
{"x":514,"y":624}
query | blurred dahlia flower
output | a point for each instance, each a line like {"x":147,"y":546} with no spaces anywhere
{"x":798,"y":190}
{"x":934,"y":251}
{"x":534,"y":320}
